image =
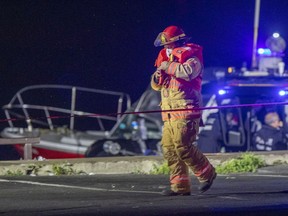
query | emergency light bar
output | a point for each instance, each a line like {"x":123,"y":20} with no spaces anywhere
{"x":282,"y":93}
{"x":264,"y":51}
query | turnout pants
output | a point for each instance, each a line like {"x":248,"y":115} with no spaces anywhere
{"x":182,"y":155}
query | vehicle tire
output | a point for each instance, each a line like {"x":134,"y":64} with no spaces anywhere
{"x":96,"y":150}
{"x":103,"y":154}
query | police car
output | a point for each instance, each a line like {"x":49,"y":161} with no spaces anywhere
{"x":244,"y":97}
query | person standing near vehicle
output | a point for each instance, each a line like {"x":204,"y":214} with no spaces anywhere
{"x":178,"y":77}
{"x":272,"y":136}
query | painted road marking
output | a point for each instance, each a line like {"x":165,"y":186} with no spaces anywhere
{"x":251,"y":175}
{"x":97,"y":189}
{"x":75,"y":187}
{"x":117,"y":190}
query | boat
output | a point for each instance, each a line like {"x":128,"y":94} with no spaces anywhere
{"x":68,"y":119}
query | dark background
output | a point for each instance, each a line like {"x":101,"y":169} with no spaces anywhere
{"x":109,"y":44}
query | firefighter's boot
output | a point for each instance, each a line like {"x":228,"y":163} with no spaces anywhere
{"x":204,"y":186}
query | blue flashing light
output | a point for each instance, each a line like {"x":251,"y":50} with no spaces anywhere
{"x":276,"y":35}
{"x":222,"y":92}
{"x":282,"y":92}
{"x":134,"y":125}
{"x":264,"y":51}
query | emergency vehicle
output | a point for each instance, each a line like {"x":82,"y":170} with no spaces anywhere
{"x":244,"y":97}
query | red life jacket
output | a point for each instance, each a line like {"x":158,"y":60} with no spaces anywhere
{"x":181,"y":54}
{"x":162,"y":56}
{"x":189,"y":50}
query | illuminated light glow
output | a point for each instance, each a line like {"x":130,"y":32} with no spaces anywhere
{"x":222,"y":92}
{"x":262,"y":51}
{"x":276,"y":35}
{"x":230,"y":69}
{"x":282,"y":93}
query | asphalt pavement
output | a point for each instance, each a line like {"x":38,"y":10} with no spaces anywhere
{"x":124,"y":193}
{"x":133,"y":194}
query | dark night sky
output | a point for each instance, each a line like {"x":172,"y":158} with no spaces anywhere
{"x":109,"y":44}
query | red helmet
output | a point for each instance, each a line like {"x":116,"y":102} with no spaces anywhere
{"x":170,"y":35}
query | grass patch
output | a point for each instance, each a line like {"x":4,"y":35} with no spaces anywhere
{"x":160,"y":169}
{"x":247,"y":162}
{"x":14,"y":173}
{"x":63,"y":169}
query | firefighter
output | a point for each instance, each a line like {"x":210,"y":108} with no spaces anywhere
{"x":178,"y":76}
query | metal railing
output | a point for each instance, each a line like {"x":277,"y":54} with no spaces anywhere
{"x":27,"y":142}
{"x":17,"y":103}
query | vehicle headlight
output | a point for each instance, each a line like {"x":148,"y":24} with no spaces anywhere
{"x":112,"y":147}
{"x":222,"y":92}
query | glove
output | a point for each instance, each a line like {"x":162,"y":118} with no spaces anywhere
{"x":159,"y":76}
{"x":164,"y":66}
